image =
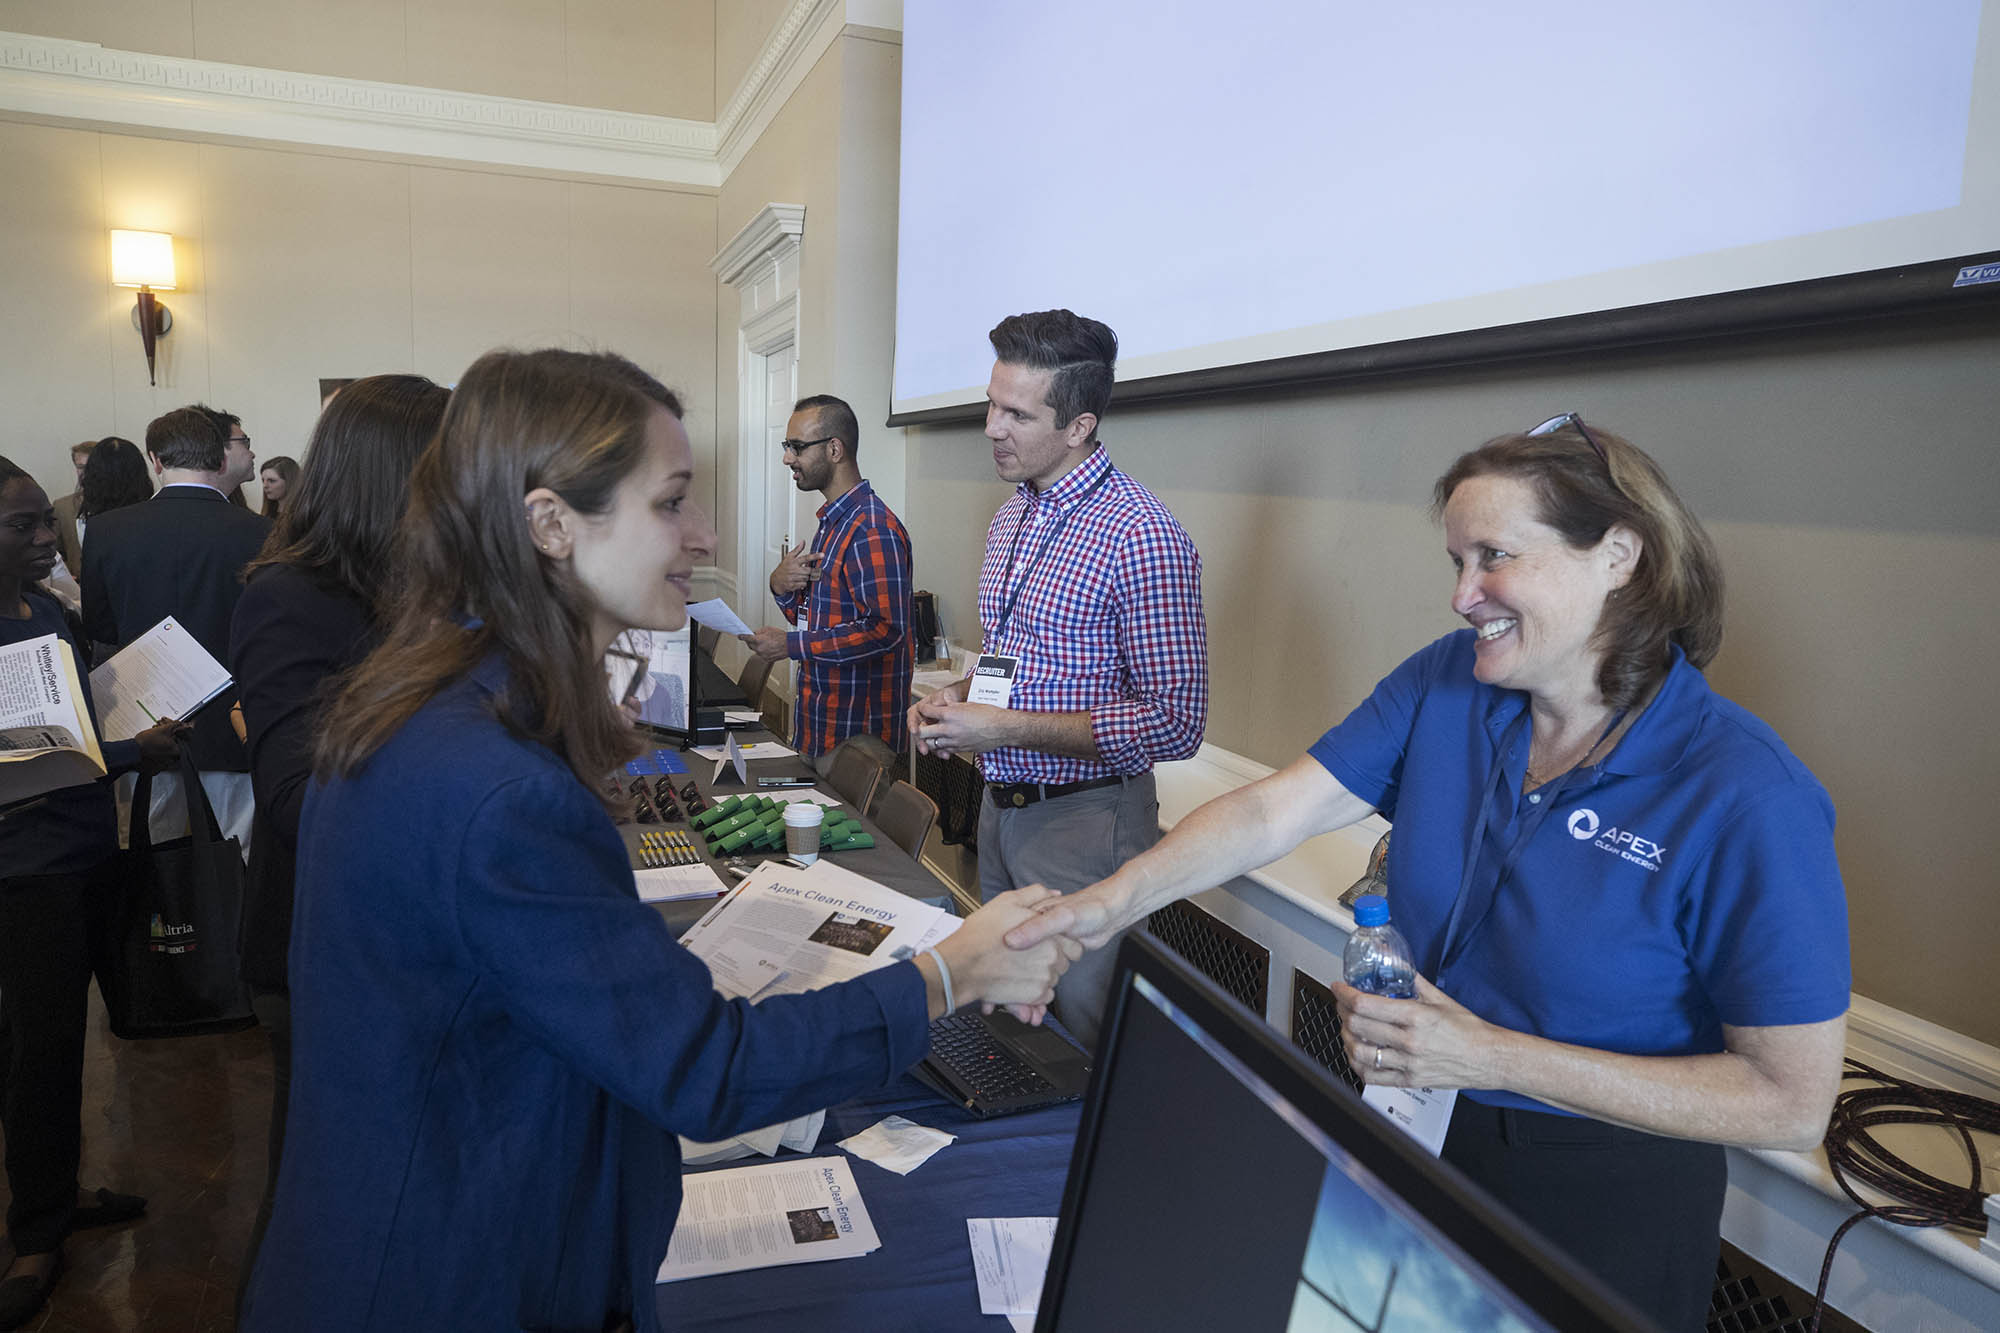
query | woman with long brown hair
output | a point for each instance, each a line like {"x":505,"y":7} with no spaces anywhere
{"x":496,"y":1042}
{"x":309,"y":612}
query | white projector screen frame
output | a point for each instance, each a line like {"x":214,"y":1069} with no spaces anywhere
{"x":1307,"y":190}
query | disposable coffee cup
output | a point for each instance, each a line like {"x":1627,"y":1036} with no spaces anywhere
{"x":802,"y":821}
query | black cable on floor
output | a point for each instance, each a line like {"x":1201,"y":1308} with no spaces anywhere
{"x":1922,"y":1200}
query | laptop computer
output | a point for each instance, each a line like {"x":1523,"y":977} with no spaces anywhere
{"x":994,"y":1064}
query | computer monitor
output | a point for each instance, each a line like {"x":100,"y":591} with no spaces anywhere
{"x":1221,"y":1181}
{"x":665,"y":689}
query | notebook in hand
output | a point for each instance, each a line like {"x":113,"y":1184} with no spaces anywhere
{"x":994,"y":1064}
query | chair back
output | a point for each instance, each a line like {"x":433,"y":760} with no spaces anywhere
{"x":905,"y":815}
{"x":856,"y":768}
{"x":777,"y":717}
{"x":755,"y":672}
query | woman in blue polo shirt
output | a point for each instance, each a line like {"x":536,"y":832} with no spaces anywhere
{"x":1620,"y":887}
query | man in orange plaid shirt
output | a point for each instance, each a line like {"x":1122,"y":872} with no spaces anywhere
{"x":846,"y":595}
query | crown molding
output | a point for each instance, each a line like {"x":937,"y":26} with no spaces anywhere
{"x":82,"y":82}
{"x":764,"y":239}
{"x":795,"y":45}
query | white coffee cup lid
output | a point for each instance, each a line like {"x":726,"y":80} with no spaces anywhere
{"x":804,"y":814}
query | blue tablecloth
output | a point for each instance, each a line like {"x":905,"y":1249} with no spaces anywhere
{"x":921,"y":1279}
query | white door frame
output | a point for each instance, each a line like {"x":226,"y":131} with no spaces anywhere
{"x":762,"y":263}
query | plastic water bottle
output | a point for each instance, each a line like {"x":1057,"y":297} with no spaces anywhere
{"x":1378,"y":958}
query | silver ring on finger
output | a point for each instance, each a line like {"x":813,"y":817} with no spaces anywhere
{"x":1378,"y":1057}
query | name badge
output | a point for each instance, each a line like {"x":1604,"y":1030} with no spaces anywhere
{"x":993,"y":681}
{"x":1423,"y":1113}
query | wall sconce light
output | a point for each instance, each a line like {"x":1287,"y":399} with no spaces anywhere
{"x":145,"y":259}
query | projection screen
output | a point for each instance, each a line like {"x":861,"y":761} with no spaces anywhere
{"x":1306,"y":189}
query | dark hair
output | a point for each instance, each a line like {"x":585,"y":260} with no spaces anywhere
{"x":339,"y":517}
{"x":193,"y":438}
{"x":114,"y":476}
{"x":224,"y":421}
{"x":574,"y":422}
{"x":835,"y":418}
{"x":1081,"y":352}
{"x":288,"y":469}
{"x":1675,"y":592}
{"x":8,"y":470}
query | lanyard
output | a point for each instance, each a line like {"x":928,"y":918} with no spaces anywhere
{"x":1048,"y":539}
{"x":1511,"y":857}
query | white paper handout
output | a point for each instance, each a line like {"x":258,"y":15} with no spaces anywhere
{"x":666,"y":884}
{"x":784,"y":930}
{"x":896,"y":1144}
{"x":767,"y":1215}
{"x":1422,"y":1113}
{"x":46,"y":740}
{"x":717,"y":615}
{"x":162,"y":673}
{"x":1010,"y":1256}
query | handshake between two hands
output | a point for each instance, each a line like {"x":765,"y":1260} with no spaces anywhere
{"x":1013,"y":950}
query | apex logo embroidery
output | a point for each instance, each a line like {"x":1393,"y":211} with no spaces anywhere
{"x":1648,"y":855}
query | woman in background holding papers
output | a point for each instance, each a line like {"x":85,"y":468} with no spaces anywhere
{"x":56,"y":855}
{"x":495,"y":1042}
{"x":1622,"y":885}
{"x":308,"y":613}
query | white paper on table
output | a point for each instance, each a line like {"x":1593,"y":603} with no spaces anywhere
{"x":785,"y":796}
{"x":164,"y":673}
{"x":666,"y":884}
{"x":896,"y":1144}
{"x":1422,"y":1113}
{"x":763,"y":1216}
{"x":717,"y":615}
{"x":800,"y":1135}
{"x":761,"y":750}
{"x":741,"y":715}
{"x":1010,"y":1256}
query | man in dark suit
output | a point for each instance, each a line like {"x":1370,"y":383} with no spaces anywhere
{"x":181,"y":554}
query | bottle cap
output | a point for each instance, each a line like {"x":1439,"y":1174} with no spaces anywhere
{"x":1371,"y":909}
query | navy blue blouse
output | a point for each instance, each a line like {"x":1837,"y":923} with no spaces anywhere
{"x":495,"y":1042}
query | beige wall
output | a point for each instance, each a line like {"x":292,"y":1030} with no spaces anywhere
{"x":650,"y":56}
{"x":1850,"y":481}
{"x":295,"y":266}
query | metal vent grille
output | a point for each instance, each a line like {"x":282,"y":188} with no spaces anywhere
{"x":1227,"y":957}
{"x":1316,"y":1027}
{"x":956,"y":787}
{"x":1750,"y":1298}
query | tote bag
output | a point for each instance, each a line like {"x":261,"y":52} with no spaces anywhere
{"x":169,"y":966}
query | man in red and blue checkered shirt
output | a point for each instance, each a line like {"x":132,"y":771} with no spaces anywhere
{"x":847,"y":595}
{"x":1094,"y":591}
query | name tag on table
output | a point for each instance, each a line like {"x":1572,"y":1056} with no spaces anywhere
{"x":993,"y":681}
{"x":1422,"y":1113}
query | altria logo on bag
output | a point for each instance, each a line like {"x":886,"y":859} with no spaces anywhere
{"x":170,"y":936}
{"x":1644,"y":853}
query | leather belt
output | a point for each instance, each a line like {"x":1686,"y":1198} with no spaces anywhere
{"x":1014,"y":795}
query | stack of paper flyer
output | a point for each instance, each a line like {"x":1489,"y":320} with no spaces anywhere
{"x":164,"y":673}
{"x":784,"y":930}
{"x":46,"y":740}
{"x":768,"y":1215}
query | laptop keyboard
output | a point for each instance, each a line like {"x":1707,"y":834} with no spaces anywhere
{"x":992,"y":1071}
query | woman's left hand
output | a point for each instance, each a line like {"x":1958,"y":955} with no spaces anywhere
{"x":1431,"y":1041}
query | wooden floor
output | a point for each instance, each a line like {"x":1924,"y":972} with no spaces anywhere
{"x":182,"y":1122}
